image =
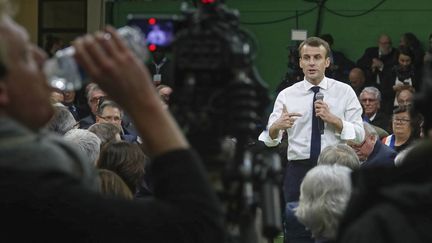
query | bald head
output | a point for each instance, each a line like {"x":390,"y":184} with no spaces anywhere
{"x":357,"y":78}
{"x":384,"y":44}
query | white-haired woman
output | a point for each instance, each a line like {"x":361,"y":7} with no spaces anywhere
{"x":324,"y":194}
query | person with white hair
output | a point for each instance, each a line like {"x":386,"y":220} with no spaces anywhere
{"x":106,"y":132}
{"x":62,"y":121}
{"x":87,"y":142}
{"x":340,"y":154}
{"x":372,"y":152}
{"x":324,"y":195}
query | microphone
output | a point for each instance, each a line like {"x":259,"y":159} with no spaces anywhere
{"x":320,"y":96}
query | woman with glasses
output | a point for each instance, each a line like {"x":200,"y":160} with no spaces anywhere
{"x":406,"y":129}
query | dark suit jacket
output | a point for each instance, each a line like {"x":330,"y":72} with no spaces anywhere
{"x":365,"y":63}
{"x":382,"y":120}
{"x":87,"y":121}
{"x":385,"y":76}
{"x":381,"y":156}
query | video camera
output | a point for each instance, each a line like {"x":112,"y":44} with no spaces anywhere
{"x":219,"y":97}
{"x":217,"y":90}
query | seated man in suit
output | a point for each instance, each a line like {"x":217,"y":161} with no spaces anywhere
{"x":94,"y":95}
{"x":377,"y":62}
{"x":370,"y":99}
{"x":372,"y":153}
{"x":110,"y":112}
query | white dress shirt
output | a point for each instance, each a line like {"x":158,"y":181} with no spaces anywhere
{"x":342,"y":102}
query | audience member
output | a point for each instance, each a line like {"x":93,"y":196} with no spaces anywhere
{"x":106,"y":132}
{"x":113,"y":185}
{"x":62,"y":121}
{"x":56,"y":96}
{"x":428,"y":55}
{"x":126,"y":160}
{"x":377,"y":62}
{"x":404,"y":95}
{"x":164,"y":91}
{"x":44,"y":181}
{"x":325,"y":192}
{"x":340,"y":154}
{"x":409,"y":40}
{"x":406,"y":128}
{"x":87,"y":142}
{"x":357,"y":80}
{"x":110,"y":112}
{"x":340,"y":65}
{"x":372,"y":153}
{"x":69,"y":102}
{"x":53,"y":44}
{"x":94,"y":94}
{"x":405,"y":73}
{"x":370,"y":98}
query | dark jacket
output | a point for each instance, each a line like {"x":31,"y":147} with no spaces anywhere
{"x":365,"y":63}
{"x":51,"y":205}
{"x":87,"y":121}
{"x":381,"y":120}
{"x":381,"y":156}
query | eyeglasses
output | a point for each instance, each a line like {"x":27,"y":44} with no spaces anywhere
{"x":96,"y":99}
{"x":110,"y":118}
{"x":401,"y":120}
{"x":368,"y":100}
{"x":352,"y":145}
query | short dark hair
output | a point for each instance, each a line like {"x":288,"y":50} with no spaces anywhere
{"x":315,"y":42}
{"x":103,"y":103}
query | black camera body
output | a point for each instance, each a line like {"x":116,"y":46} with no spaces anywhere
{"x":218,"y":92}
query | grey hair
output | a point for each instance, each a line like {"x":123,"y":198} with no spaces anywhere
{"x":370,"y":130}
{"x":106,"y":132}
{"x":91,"y":87}
{"x":372,"y":90}
{"x":340,"y":154}
{"x":87,"y":142}
{"x":324,"y":194}
{"x":62,"y":121}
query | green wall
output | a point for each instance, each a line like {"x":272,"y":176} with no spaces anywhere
{"x":352,"y":35}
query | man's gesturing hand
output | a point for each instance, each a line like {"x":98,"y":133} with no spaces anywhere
{"x":285,"y":121}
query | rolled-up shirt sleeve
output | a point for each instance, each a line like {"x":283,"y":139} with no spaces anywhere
{"x":352,"y":123}
{"x":276,"y":113}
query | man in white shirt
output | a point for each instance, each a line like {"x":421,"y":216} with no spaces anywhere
{"x":339,"y":113}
